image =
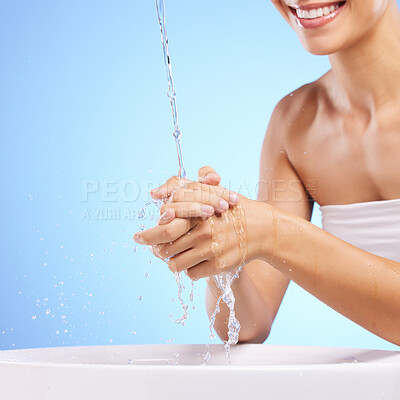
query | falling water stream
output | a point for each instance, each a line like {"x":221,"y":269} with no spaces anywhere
{"x":171,"y":90}
{"x":236,"y":216}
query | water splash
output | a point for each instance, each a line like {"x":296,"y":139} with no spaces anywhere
{"x":224,"y":281}
{"x":177,"y":133}
{"x":181,"y":320}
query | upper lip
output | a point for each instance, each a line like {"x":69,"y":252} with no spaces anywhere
{"x":314,"y":5}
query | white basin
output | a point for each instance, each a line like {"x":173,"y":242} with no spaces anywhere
{"x":176,"y":372}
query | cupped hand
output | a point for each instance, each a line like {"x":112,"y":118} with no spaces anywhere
{"x":205,"y":197}
{"x":204,"y":244}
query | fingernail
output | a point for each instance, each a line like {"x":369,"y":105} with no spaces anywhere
{"x":171,"y":265}
{"x":223,"y":205}
{"x":233,"y":198}
{"x":207,"y":211}
{"x":138,"y":239}
{"x":155,"y":191}
{"x":165,"y":216}
{"x":213,"y":176}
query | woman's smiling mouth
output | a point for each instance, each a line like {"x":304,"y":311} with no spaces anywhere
{"x":316,"y":15}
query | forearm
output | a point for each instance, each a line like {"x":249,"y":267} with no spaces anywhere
{"x":254,"y":315}
{"x":363,"y":287}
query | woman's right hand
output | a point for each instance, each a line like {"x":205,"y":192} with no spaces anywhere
{"x":206,"y":175}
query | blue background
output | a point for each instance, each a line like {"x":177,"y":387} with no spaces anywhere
{"x":83,"y":105}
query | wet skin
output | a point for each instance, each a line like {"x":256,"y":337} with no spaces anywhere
{"x":334,"y":141}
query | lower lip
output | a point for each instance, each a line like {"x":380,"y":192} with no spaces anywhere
{"x":317,"y":22}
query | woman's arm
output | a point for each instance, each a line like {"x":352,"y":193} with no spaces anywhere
{"x":361,"y":286}
{"x":260,"y":289}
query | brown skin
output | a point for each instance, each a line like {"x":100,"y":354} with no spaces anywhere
{"x":336,"y":139}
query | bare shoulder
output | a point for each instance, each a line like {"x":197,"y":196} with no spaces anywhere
{"x":295,"y":114}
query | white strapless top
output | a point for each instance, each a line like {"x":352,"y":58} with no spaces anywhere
{"x":372,"y":226}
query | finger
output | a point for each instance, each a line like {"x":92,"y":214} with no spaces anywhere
{"x":187,"y":259}
{"x":165,"y":233}
{"x":180,"y":245}
{"x":215,"y":196}
{"x":189,"y":210}
{"x":203,"y":269}
{"x":166,"y":216}
{"x":209,"y":176}
{"x":165,"y":190}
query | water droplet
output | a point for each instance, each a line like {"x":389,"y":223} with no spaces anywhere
{"x":141,"y":213}
{"x":207,"y":357}
{"x":140,"y":298}
{"x":129,"y":362}
{"x":142,"y":227}
{"x":146,"y":275}
{"x":291,"y":95}
{"x":48,"y":311}
{"x":305,"y":153}
{"x":176,"y":355}
{"x":33,"y":317}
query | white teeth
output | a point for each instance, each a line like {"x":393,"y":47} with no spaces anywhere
{"x":316,"y":12}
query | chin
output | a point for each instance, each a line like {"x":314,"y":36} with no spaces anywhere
{"x":321,"y":46}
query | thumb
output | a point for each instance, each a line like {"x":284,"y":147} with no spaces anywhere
{"x":208,"y":176}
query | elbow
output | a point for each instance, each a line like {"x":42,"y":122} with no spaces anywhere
{"x":255,"y":336}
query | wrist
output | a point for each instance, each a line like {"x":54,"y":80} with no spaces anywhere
{"x":262,"y":228}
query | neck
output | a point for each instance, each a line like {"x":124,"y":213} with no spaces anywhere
{"x":368,"y":71}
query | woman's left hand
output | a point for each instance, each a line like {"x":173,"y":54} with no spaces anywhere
{"x":206,"y":245}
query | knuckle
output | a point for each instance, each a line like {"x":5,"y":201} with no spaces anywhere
{"x":193,"y":186}
{"x":191,"y":273}
{"x":204,"y":234}
{"x":169,"y":231}
{"x":175,"y":196}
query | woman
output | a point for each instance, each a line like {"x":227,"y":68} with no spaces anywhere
{"x":336,"y":142}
